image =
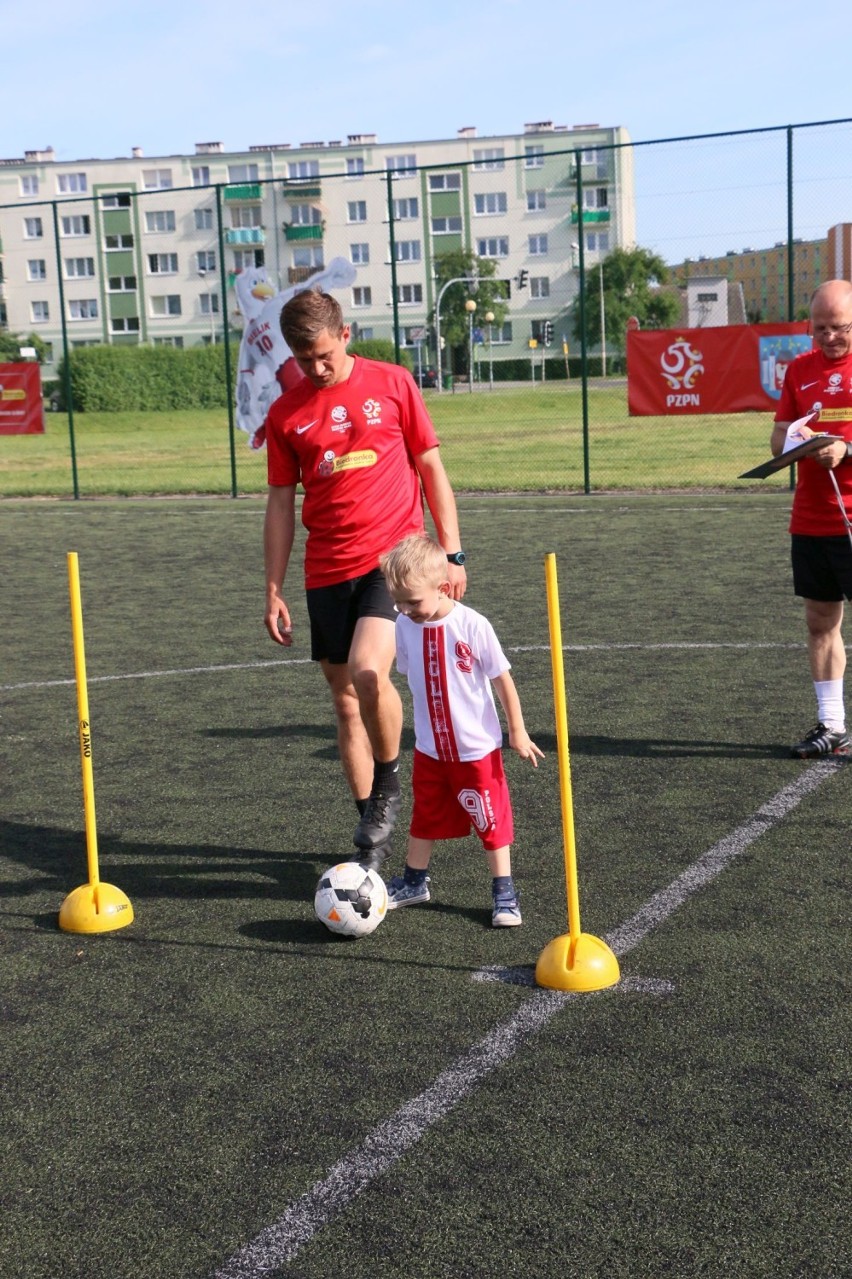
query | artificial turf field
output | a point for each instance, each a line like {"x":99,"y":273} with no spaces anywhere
{"x":225,"y":1089}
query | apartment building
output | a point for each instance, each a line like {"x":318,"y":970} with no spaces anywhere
{"x":761,"y":275}
{"x":146,"y":250}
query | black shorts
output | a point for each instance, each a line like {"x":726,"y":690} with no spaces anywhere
{"x":822,"y":567}
{"x":335,"y":610}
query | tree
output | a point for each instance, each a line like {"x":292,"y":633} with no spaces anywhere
{"x":485,"y":289}
{"x":632,"y":280}
{"x":11,"y":343}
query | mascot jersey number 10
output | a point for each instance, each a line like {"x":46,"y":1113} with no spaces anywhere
{"x":266,"y":365}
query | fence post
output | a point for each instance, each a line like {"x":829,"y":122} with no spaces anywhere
{"x":229,"y":381}
{"x":68,"y":402}
{"x":584,"y":364}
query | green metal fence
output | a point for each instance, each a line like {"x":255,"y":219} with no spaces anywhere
{"x":535,"y":397}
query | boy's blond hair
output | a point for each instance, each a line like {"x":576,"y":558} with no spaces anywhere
{"x":414,"y":560}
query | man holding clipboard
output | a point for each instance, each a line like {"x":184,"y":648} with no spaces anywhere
{"x":816,"y":400}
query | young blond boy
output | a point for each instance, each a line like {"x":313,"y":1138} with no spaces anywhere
{"x":452,"y":659}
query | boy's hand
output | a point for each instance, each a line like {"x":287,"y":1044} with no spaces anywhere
{"x":524,"y":746}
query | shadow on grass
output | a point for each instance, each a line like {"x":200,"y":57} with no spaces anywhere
{"x":663,"y":747}
{"x":155,"y":870}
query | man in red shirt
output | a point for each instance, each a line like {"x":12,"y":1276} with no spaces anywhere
{"x":355,"y":433}
{"x":821,"y":380}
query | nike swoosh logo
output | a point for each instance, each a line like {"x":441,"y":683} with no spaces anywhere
{"x":300,"y":430}
{"x":805,"y":385}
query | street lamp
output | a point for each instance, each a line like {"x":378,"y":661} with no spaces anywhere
{"x":470,"y":307}
{"x":489,"y":320}
{"x":457,"y":279}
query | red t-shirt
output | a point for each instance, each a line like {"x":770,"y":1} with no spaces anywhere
{"x":812,"y":379}
{"x":352,"y":446}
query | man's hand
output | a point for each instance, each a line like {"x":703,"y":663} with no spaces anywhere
{"x":277,"y":620}
{"x":457,"y":577}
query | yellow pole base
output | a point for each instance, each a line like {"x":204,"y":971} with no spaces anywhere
{"x":581,"y":963}
{"x":95,"y":908}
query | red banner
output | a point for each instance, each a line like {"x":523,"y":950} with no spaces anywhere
{"x":730,"y":369}
{"x":21,"y":405}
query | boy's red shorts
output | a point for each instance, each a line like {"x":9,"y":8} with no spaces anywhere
{"x":450,"y":798}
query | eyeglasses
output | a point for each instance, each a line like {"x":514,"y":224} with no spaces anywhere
{"x":839,"y":329}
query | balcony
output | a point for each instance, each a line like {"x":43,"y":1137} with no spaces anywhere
{"x":301,"y":274}
{"x":301,"y":189}
{"x":303,"y":232}
{"x":245,"y":235}
{"x":591,"y":215}
{"x":244,"y":191}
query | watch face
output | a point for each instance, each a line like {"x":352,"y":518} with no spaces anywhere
{"x":458,"y":557}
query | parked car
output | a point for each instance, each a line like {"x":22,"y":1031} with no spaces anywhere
{"x":426,"y":379}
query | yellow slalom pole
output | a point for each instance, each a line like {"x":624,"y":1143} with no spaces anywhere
{"x":575,"y":961}
{"x":94,"y":907}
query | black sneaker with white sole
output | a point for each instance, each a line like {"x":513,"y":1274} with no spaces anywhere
{"x":376,"y":826}
{"x":372,"y":858}
{"x":822,"y":741}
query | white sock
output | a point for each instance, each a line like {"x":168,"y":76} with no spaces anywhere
{"x":830,"y":708}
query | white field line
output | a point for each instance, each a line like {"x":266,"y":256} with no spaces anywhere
{"x":389,"y":1141}
{"x":306,"y":661}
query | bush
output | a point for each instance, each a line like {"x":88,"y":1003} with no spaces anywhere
{"x":381,"y":349}
{"x":109,"y":379}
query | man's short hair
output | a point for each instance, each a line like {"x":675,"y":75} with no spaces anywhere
{"x":306,"y":315}
{"x":414,"y":560}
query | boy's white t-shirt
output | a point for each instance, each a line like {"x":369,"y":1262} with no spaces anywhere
{"x":449,"y":664}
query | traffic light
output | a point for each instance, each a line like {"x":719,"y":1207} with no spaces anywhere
{"x":547,"y":332}
{"x":523,"y":275}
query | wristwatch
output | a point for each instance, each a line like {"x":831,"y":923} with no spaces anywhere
{"x":456,"y":557}
{"x":849,"y":448}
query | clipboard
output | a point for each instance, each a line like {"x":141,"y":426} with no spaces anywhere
{"x":811,"y":445}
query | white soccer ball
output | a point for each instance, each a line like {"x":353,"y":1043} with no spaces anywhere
{"x":351,"y":899}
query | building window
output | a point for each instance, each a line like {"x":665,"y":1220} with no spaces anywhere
{"x":307,"y":215}
{"x":157,"y":179}
{"x":246,"y":215}
{"x":201,"y":175}
{"x":303,"y":170}
{"x":496,"y":246}
{"x":488,"y":203}
{"x":79,"y":268}
{"x":404,"y":166}
{"x":39,"y":312}
{"x":362,"y":296}
{"x":160,"y":220}
{"x":29,"y":184}
{"x":354,"y":166}
{"x":163,"y":263}
{"x":536,"y":200}
{"x":597,"y":241}
{"x":33,"y":229}
{"x":177,"y":341}
{"x":36,"y":269}
{"x":245,"y":259}
{"x":534,"y":155}
{"x":537,"y":245}
{"x":409,"y":294}
{"x":83,"y":309}
{"x":589,"y":156}
{"x":404,"y":210}
{"x":121,"y":284}
{"x":118,"y":200}
{"x":113,"y":242}
{"x":356,"y":211}
{"x":205,"y":260}
{"x":444,"y":181}
{"x":359,"y":254}
{"x":209,"y":303}
{"x":242,"y":173}
{"x":539,"y":286}
{"x":595,"y":198}
{"x":446,"y":226}
{"x":501,"y":333}
{"x":78,"y":224}
{"x":489,"y":158}
{"x":166,"y":304}
{"x":204,"y":219}
{"x":407,"y":251}
{"x":71,"y":184}
{"x":124,"y":324}
{"x":309,"y":258}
